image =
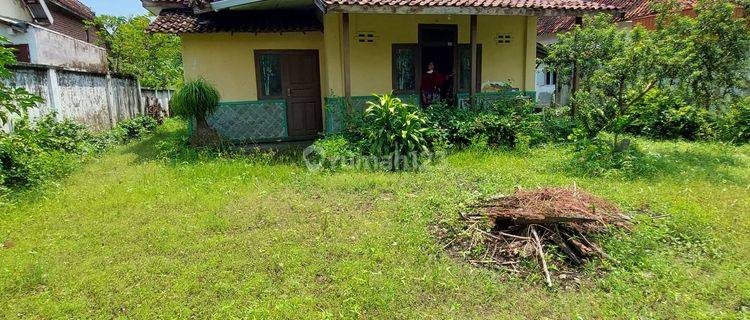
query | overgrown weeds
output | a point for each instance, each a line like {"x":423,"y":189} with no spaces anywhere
{"x":49,"y":149}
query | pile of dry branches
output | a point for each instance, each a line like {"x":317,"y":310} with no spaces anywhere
{"x":529,"y":223}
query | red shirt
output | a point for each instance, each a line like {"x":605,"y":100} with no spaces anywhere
{"x":432,"y":81}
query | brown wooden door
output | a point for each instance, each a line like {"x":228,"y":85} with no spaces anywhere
{"x":292,"y":75}
{"x":301,"y":85}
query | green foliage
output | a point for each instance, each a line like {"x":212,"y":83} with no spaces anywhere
{"x":13,"y":101}
{"x":359,"y":244}
{"x":663,"y":115}
{"x":135,"y":128}
{"x":616,"y":68}
{"x":708,"y":55}
{"x":334,"y":152}
{"x":507,"y":123}
{"x":393,"y":127}
{"x":154,"y":58}
{"x":735,"y":125}
{"x":49,"y":148}
{"x":599,"y":156}
{"x":197,"y":98}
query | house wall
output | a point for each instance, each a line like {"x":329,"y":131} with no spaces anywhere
{"x":227,"y":60}
{"x":371,"y":65}
{"x":71,"y":25}
{"x":14,"y":9}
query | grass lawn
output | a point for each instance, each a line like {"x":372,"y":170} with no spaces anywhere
{"x":133,"y":236}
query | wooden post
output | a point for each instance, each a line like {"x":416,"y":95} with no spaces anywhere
{"x":347,"y":64}
{"x":473,"y":39}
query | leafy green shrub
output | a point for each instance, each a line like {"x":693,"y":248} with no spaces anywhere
{"x":138,"y":126}
{"x":663,"y":115}
{"x":334,"y":152}
{"x":50,"y":134}
{"x":557,"y":123}
{"x":735,"y":125}
{"x":597,"y":156}
{"x":394,"y":128}
{"x":51,"y":148}
{"x":489,"y":128}
{"x":507,"y":123}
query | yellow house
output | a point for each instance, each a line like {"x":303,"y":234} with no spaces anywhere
{"x":287,"y":69}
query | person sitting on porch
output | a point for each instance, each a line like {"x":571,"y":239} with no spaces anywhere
{"x":432,"y":81}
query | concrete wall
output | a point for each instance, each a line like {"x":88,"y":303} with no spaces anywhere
{"x":47,"y":47}
{"x":56,"y":49}
{"x":96,"y":100}
{"x":14,"y":9}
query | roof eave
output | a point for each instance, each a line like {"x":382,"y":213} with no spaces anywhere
{"x":156,"y":7}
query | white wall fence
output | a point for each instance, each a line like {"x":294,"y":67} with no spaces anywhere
{"x":97,"y":100}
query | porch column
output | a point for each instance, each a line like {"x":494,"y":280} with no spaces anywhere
{"x":346,"y":58}
{"x":473,"y":39}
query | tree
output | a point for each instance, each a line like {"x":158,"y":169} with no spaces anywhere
{"x":615,"y":67}
{"x":12,"y":100}
{"x":712,"y":51}
{"x":154,"y":58}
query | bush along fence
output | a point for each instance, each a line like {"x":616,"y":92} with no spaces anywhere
{"x":49,"y":149}
{"x":99,"y":101}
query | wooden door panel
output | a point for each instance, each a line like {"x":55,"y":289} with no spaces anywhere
{"x":302,"y":90}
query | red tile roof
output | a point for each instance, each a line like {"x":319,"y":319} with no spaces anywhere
{"x":522,"y":4}
{"x":76,"y":7}
{"x":632,"y":9}
{"x":185,"y":21}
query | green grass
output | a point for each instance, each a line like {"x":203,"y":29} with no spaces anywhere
{"x":133,"y":236}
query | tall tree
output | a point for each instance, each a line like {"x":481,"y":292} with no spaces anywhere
{"x":615,"y":67}
{"x":712,"y":50}
{"x":154,"y":58}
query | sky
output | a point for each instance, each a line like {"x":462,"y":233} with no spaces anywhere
{"x":116,"y":7}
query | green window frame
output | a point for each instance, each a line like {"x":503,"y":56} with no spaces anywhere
{"x":463,"y":63}
{"x":405,"y":67}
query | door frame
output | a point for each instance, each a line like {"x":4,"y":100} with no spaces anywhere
{"x":284,"y":84}
{"x":422,"y":46}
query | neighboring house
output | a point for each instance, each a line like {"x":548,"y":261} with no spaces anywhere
{"x":635,"y":12}
{"x":52,"y":33}
{"x":285,"y":68}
